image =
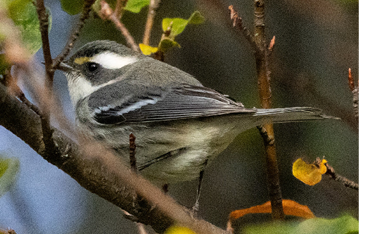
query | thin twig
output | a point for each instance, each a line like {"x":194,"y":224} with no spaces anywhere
{"x":133,"y":153}
{"x":15,"y":53}
{"x":271,"y":45}
{"x":238,"y":24}
{"x":107,"y":13}
{"x":154,"y":4}
{"x":262,"y":51}
{"x":10,"y":82}
{"x":120,"y":5}
{"x":51,"y":149}
{"x":332,"y":174}
{"x":141,"y":228}
{"x":75,"y":34}
{"x":351,"y":82}
{"x":355,"y":91}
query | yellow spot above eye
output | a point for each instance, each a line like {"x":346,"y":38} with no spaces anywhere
{"x":82,"y":60}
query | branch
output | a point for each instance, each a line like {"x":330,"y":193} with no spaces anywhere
{"x":43,"y":18}
{"x":106,"y":12}
{"x":238,"y":24}
{"x":262,"y":51}
{"x":75,"y":34}
{"x":333,"y":175}
{"x":15,"y":90}
{"x":346,"y":182}
{"x":265,"y":94}
{"x":99,"y":171}
{"x":154,"y":4}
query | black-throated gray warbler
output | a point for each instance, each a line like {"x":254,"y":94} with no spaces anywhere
{"x":179,"y":125}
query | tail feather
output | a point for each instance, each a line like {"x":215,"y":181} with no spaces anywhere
{"x":293,"y":114}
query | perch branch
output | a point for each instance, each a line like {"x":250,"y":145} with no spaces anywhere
{"x":99,"y":171}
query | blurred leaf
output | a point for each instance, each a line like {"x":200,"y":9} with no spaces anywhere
{"x":4,"y":65}
{"x":167,"y":43}
{"x":347,"y":2}
{"x":25,"y":17}
{"x":178,"y":230}
{"x":9,"y":168}
{"x":289,"y":207}
{"x":147,"y":50}
{"x":343,"y":225}
{"x":177,"y":25}
{"x":135,"y":6}
{"x":309,"y":174}
{"x":72,"y":7}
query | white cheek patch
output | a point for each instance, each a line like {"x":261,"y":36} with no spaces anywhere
{"x":111,"y":60}
{"x":79,"y":88}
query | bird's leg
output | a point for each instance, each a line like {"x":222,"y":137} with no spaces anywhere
{"x":195,"y":208}
{"x":165,"y":188}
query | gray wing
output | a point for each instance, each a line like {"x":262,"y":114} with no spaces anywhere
{"x":154,"y":104}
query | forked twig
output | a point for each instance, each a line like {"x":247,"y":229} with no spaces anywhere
{"x":106,"y":12}
{"x":238,"y":24}
{"x":262,"y":51}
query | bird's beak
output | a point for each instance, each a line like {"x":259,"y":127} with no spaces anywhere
{"x":64,"y":67}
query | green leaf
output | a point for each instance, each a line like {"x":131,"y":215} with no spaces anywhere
{"x":4,"y":65}
{"x":72,"y":7}
{"x":135,"y":6}
{"x":196,"y":18}
{"x":342,"y":225}
{"x":9,"y":168}
{"x":177,"y":25}
{"x":25,"y":17}
{"x":167,"y":43}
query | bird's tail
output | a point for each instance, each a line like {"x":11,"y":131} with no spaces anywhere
{"x":292,"y":114}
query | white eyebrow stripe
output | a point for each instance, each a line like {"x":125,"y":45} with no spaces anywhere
{"x":112,"y":60}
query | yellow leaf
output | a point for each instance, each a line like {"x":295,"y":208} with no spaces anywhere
{"x":178,"y":230}
{"x":309,"y":174}
{"x":147,"y":50}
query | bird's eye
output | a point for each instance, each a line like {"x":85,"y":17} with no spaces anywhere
{"x":92,"y":67}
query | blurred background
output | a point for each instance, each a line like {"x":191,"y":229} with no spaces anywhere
{"x":316,"y":43}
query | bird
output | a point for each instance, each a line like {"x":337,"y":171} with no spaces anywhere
{"x":180,"y":125}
